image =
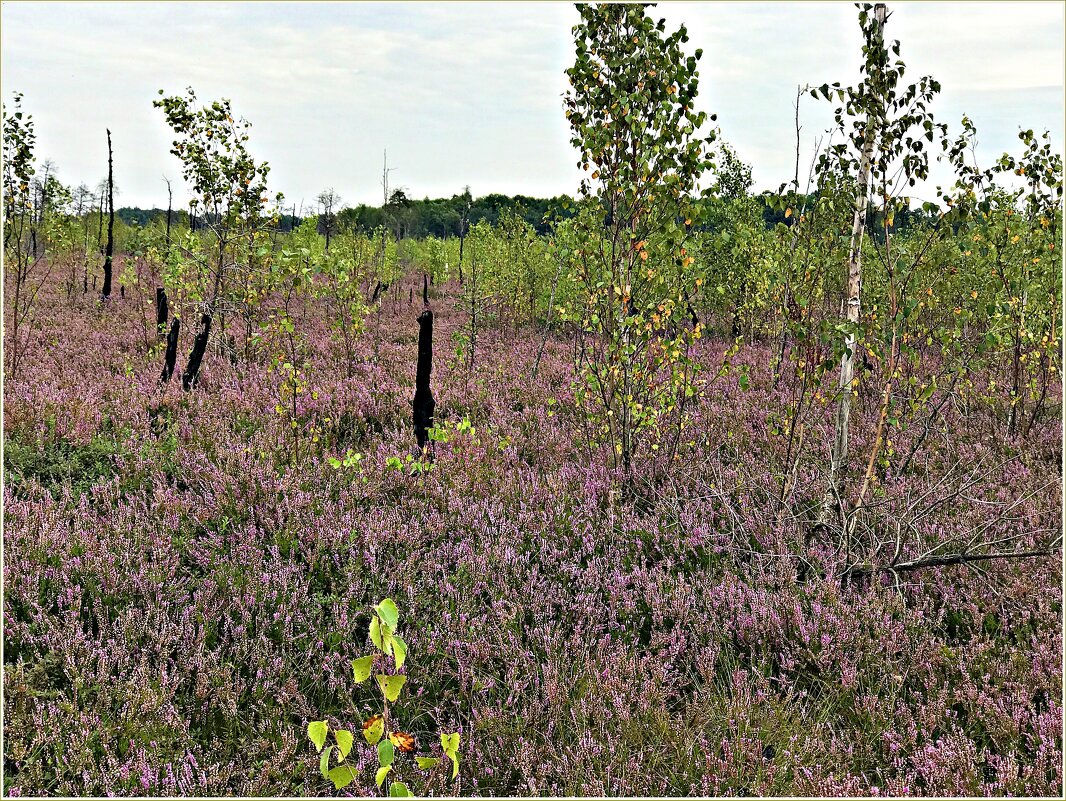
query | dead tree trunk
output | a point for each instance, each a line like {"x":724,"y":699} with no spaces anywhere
{"x":192,"y":369}
{"x":423,"y":401}
{"x":838,"y":465}
{"x":170,"y":358}
{"x":105,"y":292}
{"x":162,"y":310}
{"x":425,"y":290}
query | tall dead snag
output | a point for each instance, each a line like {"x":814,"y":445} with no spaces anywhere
{"x":100,"y":219}
{"x":162,"y":310}
{"x":192,"y":369}
{"x":425,"y":290}
{"x":109,"y":252}
{"x":838,"y":465}
{"x":423,"y":401}
{"x":170,"y":358}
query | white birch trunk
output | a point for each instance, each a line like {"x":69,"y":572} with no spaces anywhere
{"x":839,"y":463}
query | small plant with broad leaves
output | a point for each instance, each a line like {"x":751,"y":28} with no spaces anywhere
{"x":448,"y":430}
{"x":381,"y":730}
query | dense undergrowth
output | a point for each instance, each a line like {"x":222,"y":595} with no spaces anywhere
{"x":181,"y":597}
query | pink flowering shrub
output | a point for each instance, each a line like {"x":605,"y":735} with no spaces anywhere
{"x":180,"y":600}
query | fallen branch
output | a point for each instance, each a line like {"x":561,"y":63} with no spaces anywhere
{"x":858,"y":571}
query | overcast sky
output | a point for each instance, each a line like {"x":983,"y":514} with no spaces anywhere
{"x":470,"y":93}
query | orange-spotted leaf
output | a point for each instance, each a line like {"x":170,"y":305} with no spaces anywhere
{"x":373,"y":728}
{"x":403,"y":741}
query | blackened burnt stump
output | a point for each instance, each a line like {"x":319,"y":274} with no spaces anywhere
{"x":423,"y":402}
{"x":162,"y":310}
{"x":192,"y":369}
{"x":171,"y":355}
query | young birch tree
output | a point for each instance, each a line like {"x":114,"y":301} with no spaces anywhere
{"x":633,"y":122}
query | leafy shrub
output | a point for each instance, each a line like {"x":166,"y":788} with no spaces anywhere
{"x":379,"y":730}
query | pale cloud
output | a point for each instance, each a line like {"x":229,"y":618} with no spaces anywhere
{"x":470,"y":93}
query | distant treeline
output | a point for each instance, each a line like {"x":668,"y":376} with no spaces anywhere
{"x":443,"y":217}
{"x":406,"y":217}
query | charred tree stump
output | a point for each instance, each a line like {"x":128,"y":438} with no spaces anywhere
{"x":162,"y":310}
{"x":425,"y":290}
{"x":423,"y":401}
{"x":106,"y":291}
{"x":199,"y":347}
{"x":171,"y":355}
{"x":692,"y":316}
{"x":411,"y":298}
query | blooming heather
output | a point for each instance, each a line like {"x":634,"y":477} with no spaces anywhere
{"x":180,"y":599}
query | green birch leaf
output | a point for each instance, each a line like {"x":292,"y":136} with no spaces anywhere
{"x":342,"y":776}
{"x":375,"y":631}
{"x":399,"y":650}
{"x":449,"y":742}
{"x":386,"y":753}
{"x":381,"y":774}
{"x":317,"y":731}
{"x":361,"y":668}
{"x":388,"y":613}
{"x":391,"y":686}
{"x":344,"y":742}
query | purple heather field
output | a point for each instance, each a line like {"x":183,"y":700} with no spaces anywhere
{"x":179,"y":601}
{"x":670,"y":484}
